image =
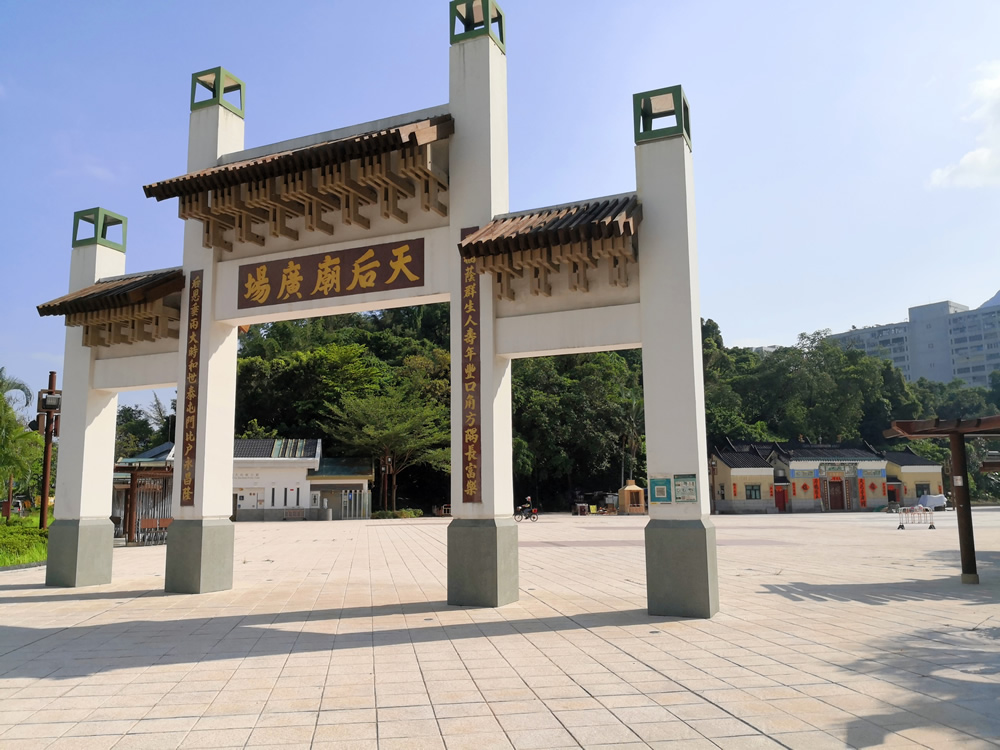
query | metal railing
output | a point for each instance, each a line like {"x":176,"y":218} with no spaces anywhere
{"x":917,"y":515}
{"x":355,"y":505}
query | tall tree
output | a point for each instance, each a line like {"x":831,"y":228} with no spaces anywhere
{"x":14,"y":389}
{"x":134,"y":433}
{"x":393,"y":428}
{"x":18,"y":446}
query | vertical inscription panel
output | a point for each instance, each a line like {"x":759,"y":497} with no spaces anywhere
{"x":189,"y":443}
{"x":472,"y":445}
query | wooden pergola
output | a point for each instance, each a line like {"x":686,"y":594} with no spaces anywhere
{"x":956,"y":430}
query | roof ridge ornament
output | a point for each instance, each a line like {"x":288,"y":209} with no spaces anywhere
{"x":669,"y":105}
{"x":466,"y":20}
{"x":219,"y":82}
{"x":103,"y":221}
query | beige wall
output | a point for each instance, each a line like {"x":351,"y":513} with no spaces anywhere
{"x":911,"y":476}
{"x":727,"y":477}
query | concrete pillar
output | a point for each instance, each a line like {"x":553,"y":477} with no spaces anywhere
{"x":681,"y":567}
{"x":200,"y":541}
{"x":482,"y":538}
{"x":81,"y":539}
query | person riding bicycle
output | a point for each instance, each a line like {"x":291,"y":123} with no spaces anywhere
{"x":526,"y":508}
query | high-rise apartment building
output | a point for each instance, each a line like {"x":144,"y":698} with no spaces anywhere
{"x":941,"y":341}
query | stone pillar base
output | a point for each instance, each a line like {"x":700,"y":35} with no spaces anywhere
{"x":970,"y":578}
{"x":199,"y":556}
{"x":682,"y":576}
{"x":482,"y":562}
{"x":80,"y":552}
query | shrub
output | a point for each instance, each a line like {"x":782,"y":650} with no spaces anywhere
{"x":380,"y":515}
{"x":22,"y":544}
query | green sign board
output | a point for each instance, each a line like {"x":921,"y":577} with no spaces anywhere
{"x":685,"y":488}
{"x":659,"y":490}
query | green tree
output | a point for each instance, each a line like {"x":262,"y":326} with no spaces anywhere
{"x":18,"y":446}
{"x":394,"y":428}
{"x":134,"y":433}
{"x":253,"y":431}
{"x":14,"y":389}
{"x":289,"y":392}
{"x":162,"y":420}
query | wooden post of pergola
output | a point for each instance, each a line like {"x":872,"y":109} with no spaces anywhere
{"x":956,"y":430}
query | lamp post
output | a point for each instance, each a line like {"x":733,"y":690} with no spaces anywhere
{"x":712,"y":464}
{"x":49,"y":403}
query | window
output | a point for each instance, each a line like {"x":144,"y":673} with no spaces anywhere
{"x":752,"y":491}
{"x":286,"y":497}
{"x":272,"y":497}
{"x":923,"y":489}
{"x":297,"y":490}
{"x":722,"y":491}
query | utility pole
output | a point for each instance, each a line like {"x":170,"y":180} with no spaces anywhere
{"x":49,"y":403}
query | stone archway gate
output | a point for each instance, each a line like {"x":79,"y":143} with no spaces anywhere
{"x":369,"y":217}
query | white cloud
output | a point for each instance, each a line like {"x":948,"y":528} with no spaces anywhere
{"x":980,"y":167}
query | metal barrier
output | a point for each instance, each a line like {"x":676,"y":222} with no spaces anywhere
{"x":355,"y":504}
{"x":918,"y":514}
{"x":153,"y":530}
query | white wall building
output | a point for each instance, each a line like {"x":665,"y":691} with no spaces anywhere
{"x":941,"y":341}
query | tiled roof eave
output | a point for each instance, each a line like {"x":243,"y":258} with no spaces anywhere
{"x":596,"y":219}
{"x":117,"y":292}
{"x":337,"y":151}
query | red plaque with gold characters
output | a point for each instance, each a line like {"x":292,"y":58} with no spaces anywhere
{"x":189,"y":443}
{"x":371,"y":268}
{"x":472,"y":451}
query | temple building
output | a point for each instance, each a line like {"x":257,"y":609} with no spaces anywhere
{"x":802,"y":477}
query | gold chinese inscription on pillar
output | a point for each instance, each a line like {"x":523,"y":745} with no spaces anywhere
{"x":472,"y":453}
{"x":189,"y":443}
{"x":378,"y":268}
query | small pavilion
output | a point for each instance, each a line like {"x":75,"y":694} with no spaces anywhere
{"x":956,"y":430}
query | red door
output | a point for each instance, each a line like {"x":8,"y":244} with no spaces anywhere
{"x":780,"y":498}
{"x":836,"y":496}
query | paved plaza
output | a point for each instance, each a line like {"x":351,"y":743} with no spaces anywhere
{"x":835,"y":631}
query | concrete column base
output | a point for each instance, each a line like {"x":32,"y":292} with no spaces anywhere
{"x":970,"y":578}
{"x":199,"y":556}
{"x":80,"y":552}
{"x":482,"y":562}
{"x":682,"y":571}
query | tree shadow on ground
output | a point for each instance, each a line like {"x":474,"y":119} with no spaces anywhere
{"x":942,"y":682}
{"x":885,"y":593}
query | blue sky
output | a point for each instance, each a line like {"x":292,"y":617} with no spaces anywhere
{"x":847,"y":155}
